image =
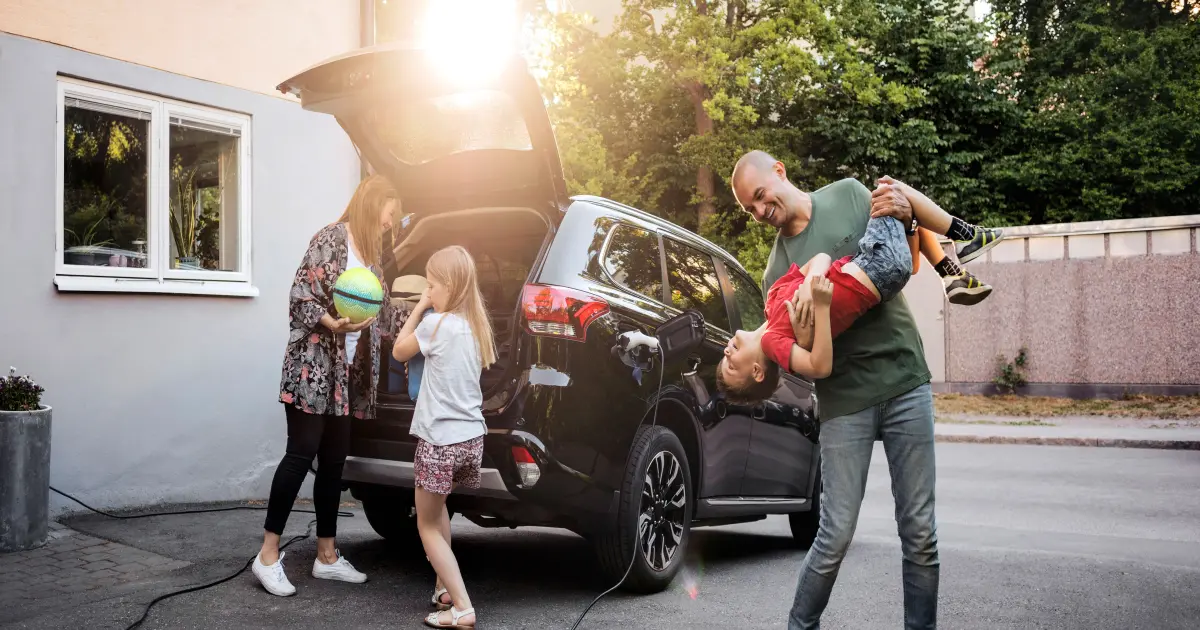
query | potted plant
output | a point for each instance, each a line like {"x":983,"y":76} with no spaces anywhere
{"x":81,"y":249}
{"x":24,"y":464}
{"x":186,"y":221}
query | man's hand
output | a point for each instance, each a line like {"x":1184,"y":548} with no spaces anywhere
{"x":888,"y":200}
{"x":800,"y":307}
{"x":822,"y":291}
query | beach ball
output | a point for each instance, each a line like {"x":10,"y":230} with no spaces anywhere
{"x":357,"y":294}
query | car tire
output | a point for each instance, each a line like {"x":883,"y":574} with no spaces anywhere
{"x":804,"y":524}
{"x":391,"y":515}
{"x":650,"y":528}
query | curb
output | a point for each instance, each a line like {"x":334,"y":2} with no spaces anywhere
{"x":1176,"y":445}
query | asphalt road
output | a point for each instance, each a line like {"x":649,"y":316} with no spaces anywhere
{"x":1031,"y":537}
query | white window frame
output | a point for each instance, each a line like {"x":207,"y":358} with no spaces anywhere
{"x":158,"y":276}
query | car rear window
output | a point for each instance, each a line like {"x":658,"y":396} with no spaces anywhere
{"x":694,"y":284}
{"x":421,"y":130}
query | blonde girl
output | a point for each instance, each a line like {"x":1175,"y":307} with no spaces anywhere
{"x":448,"y":422}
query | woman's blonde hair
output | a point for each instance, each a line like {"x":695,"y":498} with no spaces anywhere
{"x":455,"y":268}
{"x":363,"y":213}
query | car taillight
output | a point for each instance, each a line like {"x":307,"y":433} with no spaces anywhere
{"x":527,"y":468}
{"x":560,"y":312}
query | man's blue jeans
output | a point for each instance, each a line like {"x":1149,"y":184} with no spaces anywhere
{"x":905,"y":424}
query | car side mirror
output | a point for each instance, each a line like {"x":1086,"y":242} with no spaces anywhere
{"x":680,"y":335}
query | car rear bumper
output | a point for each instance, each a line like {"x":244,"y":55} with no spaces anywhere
{"x":400,"y":474}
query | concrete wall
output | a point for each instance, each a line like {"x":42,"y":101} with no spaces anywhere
{"x":157,"y":398}
{"x":1103,"y":308}
{"x":251,"y":45}
{"x":927,"y":300}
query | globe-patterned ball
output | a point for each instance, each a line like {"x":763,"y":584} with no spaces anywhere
{"x":357,"y":294}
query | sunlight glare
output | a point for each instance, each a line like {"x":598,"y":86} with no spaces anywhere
{"x":470,"y":40}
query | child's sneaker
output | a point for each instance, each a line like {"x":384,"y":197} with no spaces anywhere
{"x":341,"y":571}
{"x":965,"y":289}
{"x":985,"y":239}
{"x":272,"y":576}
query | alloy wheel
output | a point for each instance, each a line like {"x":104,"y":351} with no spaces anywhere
{"x":660,"y":522}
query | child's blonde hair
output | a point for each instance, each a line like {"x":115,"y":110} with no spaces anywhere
{"x":455,"y":268}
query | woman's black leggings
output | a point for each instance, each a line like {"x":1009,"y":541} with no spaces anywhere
{"x":309,"y":435}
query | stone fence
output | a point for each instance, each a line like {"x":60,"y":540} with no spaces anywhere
{"x":1104,"y":308}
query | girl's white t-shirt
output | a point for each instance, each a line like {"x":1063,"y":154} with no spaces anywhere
{"x":449,"y":404}
{"x":352,"y":261}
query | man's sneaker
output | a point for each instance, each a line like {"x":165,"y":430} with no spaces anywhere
{"x":272,"y":577}
{"x":965,"y":289}
{"x":341,"y":570}
{"x":985,"y":239}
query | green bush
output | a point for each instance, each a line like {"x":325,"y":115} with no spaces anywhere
{"x":1010,"y":375}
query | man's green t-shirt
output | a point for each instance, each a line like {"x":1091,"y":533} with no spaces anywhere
{"x":880,"y":356}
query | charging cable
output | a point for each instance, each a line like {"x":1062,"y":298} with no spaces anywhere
{"x":628,"y":344}
{"x":193,"y":589}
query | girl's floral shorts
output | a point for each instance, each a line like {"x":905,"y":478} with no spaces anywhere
{"x":438,"y":468}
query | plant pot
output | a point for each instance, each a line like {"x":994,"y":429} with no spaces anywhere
{"x":187,"y":262}
{"x":24,"y":478}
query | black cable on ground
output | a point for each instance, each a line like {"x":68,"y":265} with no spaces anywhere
{"x":632,"y":556}
{"x":193,"y":589}
{"x":203,"y":511}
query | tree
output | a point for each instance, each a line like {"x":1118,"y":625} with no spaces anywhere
{"x":955,"y":121}
{"x":656,"y":113}
{"x":1111,"y":97}
{"x":1050,"y":110}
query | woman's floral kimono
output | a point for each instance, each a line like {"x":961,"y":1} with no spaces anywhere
{"x":315,"y":377}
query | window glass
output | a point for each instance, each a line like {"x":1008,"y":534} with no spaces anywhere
{"x":421,"y":130}
{"x":106,"y":153}
{"x":693,"y":278}
{"x":633,"y":261}
{"x":749,"y":300}
{"x":150,"y":188}
{"x":204,"y":196}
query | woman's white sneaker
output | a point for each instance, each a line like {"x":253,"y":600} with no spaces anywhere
{"x":341,"y":570}
{"x":272,"y":576}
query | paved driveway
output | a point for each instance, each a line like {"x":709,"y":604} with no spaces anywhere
{"x":1031,"y":537}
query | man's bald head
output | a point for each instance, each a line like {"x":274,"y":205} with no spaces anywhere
{"x":759,"y":160}
{"x":761,"y":186}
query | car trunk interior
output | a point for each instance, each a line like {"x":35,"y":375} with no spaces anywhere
{"x":505,"y":243}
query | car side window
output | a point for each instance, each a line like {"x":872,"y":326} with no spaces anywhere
{"x":633,"y":261}
{"x":748,"y":298}
{"x":694,"y":284}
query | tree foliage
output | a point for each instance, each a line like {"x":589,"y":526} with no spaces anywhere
{"x":1050,"y":110}
{"x":1110,"y":99}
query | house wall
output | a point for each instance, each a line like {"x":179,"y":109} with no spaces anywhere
{"x":157,"y":397}
{"x":1103,"y":308}
{"x":251,"y":45}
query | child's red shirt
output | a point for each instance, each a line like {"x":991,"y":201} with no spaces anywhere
{"x":850,"y":300}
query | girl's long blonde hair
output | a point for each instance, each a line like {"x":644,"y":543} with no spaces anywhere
{"x":362,"y":216}
{"x":455,"y":268}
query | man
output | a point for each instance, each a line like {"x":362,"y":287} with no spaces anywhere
{"x":878,"y":387}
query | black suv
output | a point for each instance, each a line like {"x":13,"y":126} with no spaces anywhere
{"x":573,"y":439}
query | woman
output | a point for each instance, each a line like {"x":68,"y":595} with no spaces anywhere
{"x":330,"y":371}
